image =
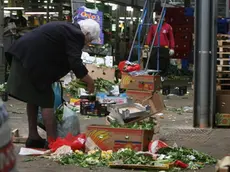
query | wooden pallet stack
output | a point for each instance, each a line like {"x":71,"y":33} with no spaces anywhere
{"x":223,"y":62}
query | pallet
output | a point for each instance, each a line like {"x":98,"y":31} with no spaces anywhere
{"x":223,"y":61}
{"x":223,"y":68}
{"x":224,"y":48}
{"x":220,"y":87}
{"x":223,"y":74}
{"x":223,"y":42}
{"x":221,"y":36}
{"x":223,"y":54}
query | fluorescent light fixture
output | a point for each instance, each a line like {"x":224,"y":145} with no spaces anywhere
{"x":5,"y":2}
{"x":127,"y":18}
{"x":40,"y":13}
{"x":129,"y":8}
{"x":6,"y":12}
{"x":114,"y":6}
{"x":13,"y":8}
{"x":93,"y":1}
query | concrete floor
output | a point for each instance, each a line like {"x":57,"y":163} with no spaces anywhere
{"x":176,"y":127}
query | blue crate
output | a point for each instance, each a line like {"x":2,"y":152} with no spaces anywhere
{"x":185,"y":64}
{"x":189,"y":11}
{"x":222,"y":28}
{"x":223,"y":20}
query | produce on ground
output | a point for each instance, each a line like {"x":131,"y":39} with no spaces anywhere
{"x":101,"y":85}
{"x":142,"y":125}
{"x":193,"y":158}
{"x":97,"y":158}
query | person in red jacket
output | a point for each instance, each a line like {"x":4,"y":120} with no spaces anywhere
{"x":166,"y":48}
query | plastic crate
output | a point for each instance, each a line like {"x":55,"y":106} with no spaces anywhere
{"x":184,"y":37}
{"x":102,"y":109}
{"x":182,"y":46}
{"x":183,"y":29}
{"x":185,"y":64}
{"x":222,"y":28}
{"x":87,"y":107}
{"x":189,"y":11}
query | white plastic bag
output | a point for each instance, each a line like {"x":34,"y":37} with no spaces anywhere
{"x":70,"y":122}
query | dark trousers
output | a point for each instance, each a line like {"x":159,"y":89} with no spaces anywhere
{"x":164,"y":60}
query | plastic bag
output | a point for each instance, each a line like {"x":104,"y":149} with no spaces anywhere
{"x":75,"y":142}
{"x":154,"y":146}
{"x":70,"y":122}
{"x":57,"y":89}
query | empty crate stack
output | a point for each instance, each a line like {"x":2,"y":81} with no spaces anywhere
{"x":223,"y":62}
{"x":182,"y":22}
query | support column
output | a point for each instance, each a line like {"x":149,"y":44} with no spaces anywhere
{"x":214,"y":13}
{"x":48,"y":11}
{"x":227,"y":9}
{"x":1,"y":32}
{"x":202,"y":55}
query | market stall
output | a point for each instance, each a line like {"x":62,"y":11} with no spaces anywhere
{"x":129,"y":137}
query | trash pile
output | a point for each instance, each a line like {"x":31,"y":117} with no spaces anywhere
{"x":163,"y":158}
{"x":129,"y":139}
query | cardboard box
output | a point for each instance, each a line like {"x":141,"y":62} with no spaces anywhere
{"x":103,"y":98}
{"x":155,"y":100}
{"x":142,"y":82}
{"x":101,"y":72}
{"x":107,"y":138}
{"x":222,"y":102}
{"x":223,"y":120}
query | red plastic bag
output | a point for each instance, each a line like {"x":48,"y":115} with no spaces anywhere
{"x":75,"y":142}
{"x":128,"y":67}
{"x":154,"y":146}
{"x":180,"y":164}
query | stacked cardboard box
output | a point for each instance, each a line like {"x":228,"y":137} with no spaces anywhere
{"x":142,"y":89}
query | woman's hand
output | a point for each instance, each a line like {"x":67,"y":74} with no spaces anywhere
{"x":90,"y":83}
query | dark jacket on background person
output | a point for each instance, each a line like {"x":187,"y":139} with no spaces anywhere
{"x":50,"y":52}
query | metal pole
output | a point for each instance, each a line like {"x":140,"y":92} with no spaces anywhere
{"x":213,"y":62}
{"x":202,"y":64}
{"x":227,"y":8}
{"x":60,"y":11}
{"x":1,"y":32}
{"x":48,"y":11}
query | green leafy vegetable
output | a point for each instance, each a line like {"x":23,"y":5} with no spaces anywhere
{"x":195,"y":159}
{"x":101,"y":85}
{"x":143,"y":125}
{"x":59,"y":114}
{"x":128,"y":156}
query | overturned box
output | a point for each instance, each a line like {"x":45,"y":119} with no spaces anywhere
{"x":153,"y":99}
{"x":108,"y":138}
{"x":142,"y":82}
